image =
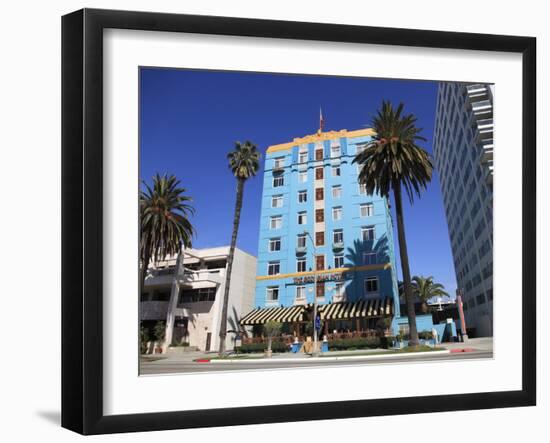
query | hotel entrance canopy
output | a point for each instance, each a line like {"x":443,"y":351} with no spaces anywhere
{"x":378,"y":307}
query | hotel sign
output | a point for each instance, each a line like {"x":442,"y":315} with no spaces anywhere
{"x":339,"y":276}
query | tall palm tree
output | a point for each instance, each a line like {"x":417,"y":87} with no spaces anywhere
{"x":425,"y":288}
{"x":390,"y":162}
{"x":164,"y":221}
{"x":244,"y":163}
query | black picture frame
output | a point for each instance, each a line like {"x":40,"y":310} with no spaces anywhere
{"x":82,"y":231}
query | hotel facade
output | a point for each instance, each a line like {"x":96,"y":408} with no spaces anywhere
{"x":463,"y":150}
{"x":317,"y":222}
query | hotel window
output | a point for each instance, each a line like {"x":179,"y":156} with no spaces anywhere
{"x":277,"y":201}
{"x":319,"y":173}
{"x":367,"y":210}
{"x":319,"y":239}
{"x":371,"y":284}
{"x":273,"y":293}
{"x":337,"y":213}
{"x":278,"y":181}
{"x":480,"y":299}
{"x":302,"y":218}
{"x":337,"y":191}
{"x":302,"y":196}
{"x":319,"y":194}
{"x":362,"y":188}
{"x":336,"y":171}
{"x":319,"y":216}
{"x":335,"y":151}
{"x":300,"y":292}
{"x":274,"y":244}
{"x":338,"y":261}
{"x":320,"y":289}
{"x":302,"y":176}
{"x":302,"y":157}
{"x":367,"y":233}
{"x":276,"y":222}
{"x":369,"y":258}
{"x":273,"y":268}
{"x":319,"y":154}
{"x":278,"y":163}
{"x":338,"y":236}
{"x":301,"y":265}
{"x":320,"y":262}
{"x":301,"y":241}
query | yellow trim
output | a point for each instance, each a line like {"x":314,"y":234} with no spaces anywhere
{"x":326,"y":271}
{"x":320,"y":136}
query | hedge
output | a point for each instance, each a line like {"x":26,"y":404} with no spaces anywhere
{"x":354,"y":343}
{"x":276,"y":346}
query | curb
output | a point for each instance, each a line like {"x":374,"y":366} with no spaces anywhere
{"x":318,"y":359}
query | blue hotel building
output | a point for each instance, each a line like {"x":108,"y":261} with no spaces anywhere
{"x":317,"y":219}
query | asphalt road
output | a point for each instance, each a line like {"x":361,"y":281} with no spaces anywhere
{"x":174,"y":367}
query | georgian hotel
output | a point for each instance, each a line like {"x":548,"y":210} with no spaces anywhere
{"x":318,"y":221}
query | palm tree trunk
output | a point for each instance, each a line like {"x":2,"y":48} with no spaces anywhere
{"x":236,"y":220}
{"x":413,"y":333}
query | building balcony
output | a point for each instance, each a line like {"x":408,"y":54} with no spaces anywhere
{"x":487,"y":152}
{"x":338,"y":245}
{"x":203,"y":277}
{"x":483,"y":110}
{"x":301,"y":250}
{"x":165,"y":277}
{"x":278,"y":168}
{"x":476,"y":93}
{"x":485,"y":130}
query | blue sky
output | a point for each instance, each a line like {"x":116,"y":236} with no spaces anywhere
{"x":189,"y":120}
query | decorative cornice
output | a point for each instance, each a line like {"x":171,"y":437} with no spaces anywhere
{"x":326,"y":271}
{"x":321,"y":136}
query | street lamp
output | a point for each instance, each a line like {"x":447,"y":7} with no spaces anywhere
{"x":315,"y":352}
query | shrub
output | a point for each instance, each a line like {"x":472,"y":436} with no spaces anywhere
{"x":276,"y":346}
{"x":160,"y":330}
{"x":143,"y":339}
{"x":354,"y":343}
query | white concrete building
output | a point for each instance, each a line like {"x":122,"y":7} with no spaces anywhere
{"x":463,"y":150}
{"x":191,"y":304}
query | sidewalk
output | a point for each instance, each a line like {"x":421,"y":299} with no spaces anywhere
{"x":479,"y":344}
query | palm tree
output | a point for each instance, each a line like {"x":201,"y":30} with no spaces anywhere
{"x":393,"y":160}
{"x":425,"y":288}
{"x":244,"y":163}
{"x":164,"y":221}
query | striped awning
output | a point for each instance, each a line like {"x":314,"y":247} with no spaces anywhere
{"x":280,"y":314}
{"x":364,"y":308}
{"x":335,"y":311}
